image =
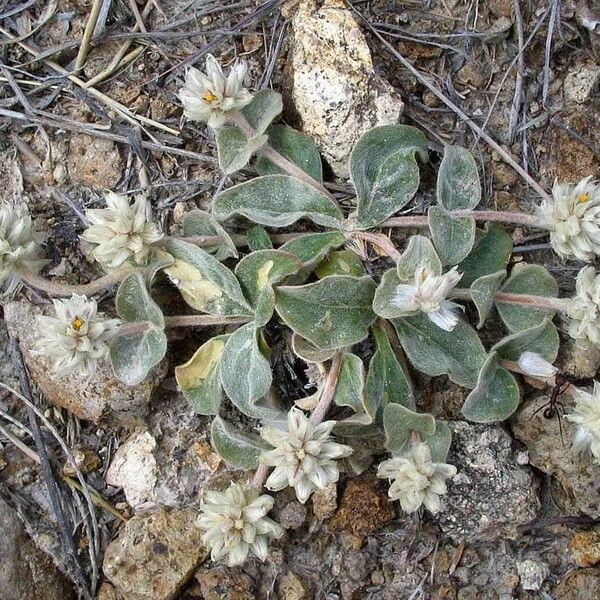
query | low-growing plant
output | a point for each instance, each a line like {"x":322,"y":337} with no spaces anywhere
{"x":320,"y":285}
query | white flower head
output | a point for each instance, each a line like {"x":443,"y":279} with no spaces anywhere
{"x":573,"y":218}
{"x":76,"y":338}
{"x":416,"y":479}
{"x":584,"y":309}
{"x":209,"y":96}
{"x":19,"y":247}
{"x":122,"y":231}
{"x":304,"y":456}
{"x":531,"y":363}
{"x":428,"y":293}
{"x":586,"y":414}
{"x":235,"y":523}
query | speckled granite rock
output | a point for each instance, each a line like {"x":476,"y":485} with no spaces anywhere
{"x":334,"y":88}
{"x":492,"y":495}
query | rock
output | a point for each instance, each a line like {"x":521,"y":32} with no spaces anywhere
{"x":581,"y":584}
{"x":107,"y":592}
{"x":93,"y":162}
{"x":26,"y":573}
{"x":364,"y":507}
{"x":291,"y":587}
{"x":94,"y":398}
{"x":155,"y":555}
{"x":221,"y":583}
{"x":133,"y":468}
{"x":325,"y":502}
{"x":292,"y":515}
{"x":334,"y":89}
{"x":581,"y":81}
{"x":86,"y":459}
{"x":577,"y":476}
{"x":582,"y":363}
{"x":532,"y":574}
{"x":12,"y":190}
{"x":491,"y":496}
{"x":584,"y":548}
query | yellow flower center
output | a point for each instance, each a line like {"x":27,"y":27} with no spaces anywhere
{"x":77,"y":323}
{"x":209,"y":97}
{"x":583,"y":197}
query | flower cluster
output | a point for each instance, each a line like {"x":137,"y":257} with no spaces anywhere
{"x":416,"y":480}
{"x":209,"y":96}
{"x":122,"y":231}
{"x":586,"y":414}
{"x":77,"y":337}
{"x":584,"y":308}
{"x":573,"y":218}
{"x":235,"y":523}
{"x":304,"y":457}
{"x":18,"y":246}
{"x":428,"y":293}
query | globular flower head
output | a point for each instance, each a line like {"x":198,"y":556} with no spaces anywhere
{"x":586,"y":414}
{"x":235,"y":523}
{"x":209,"y":96}
{"x":531,"y":363}
{"x":76,"y":338}
{"x":304,"y":456}
{"x":122,"y":231}
{"x":416,"y":480}
{"x":573,"y":218}
{"x":584,"y":309}
{"x":428,"y":293}
{"x":19,"y":247}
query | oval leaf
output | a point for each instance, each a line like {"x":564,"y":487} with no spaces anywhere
{"x":199,"y":223}
{"x":277,"y":201}
{"x":527,"y":279}
{"x":265,"y":106}
{"x":399,"y":423}
{"x":439,"y":442}
{"x":453,"y":236}
{"x":458,"y":185}
{"x":308,"y":352}
{"x":234,"y":149}
{"x":458,"y":353}
{"x":496,"y":395}
{"x":419,"y":253}
{"x":237,"y":448}
{"x":257,"y":238}
{"x":482,"y":294}
{"x":199,"y":378}
{"x":341,"y":262}
{"x":297,"y":147}
{"x":542,"y":339}
{"x":384,"y":171}
{"x":331,"y":313}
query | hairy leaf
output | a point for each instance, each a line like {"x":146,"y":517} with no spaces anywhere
{"x":200,"y":223}
{"x":236,"y":447}
{"x":265,"y":106}
{"x":542,"y":339}
{"x":234,"y":149}
{"x":258,"y":239}
{"x":419,"y":253}
{"x":458,"y":185}
{"x":453,"y":236}
{"x":399,"y":423}
{"x":340,"y":262}
{"x":308,"y":352}
{"x":482,"y":293}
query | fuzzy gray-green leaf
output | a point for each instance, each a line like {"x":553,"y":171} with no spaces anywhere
{"x":482,"y":293}
{"x":453,"y":236}
{"x":200,"y":223}
{"x":496,"y":395}
{"x":542,"y":339}
{"x":277,"y":201}
{"x":331,"y":313}
{"x":419,"y":253}
{"x":237,"y":448}
{"x":265,"y":106}
{"x":234,"y":149}
{"x":458,"y":185}
{"x":399,"y":423}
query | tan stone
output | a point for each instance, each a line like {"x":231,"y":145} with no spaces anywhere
{"x":584,"y":548}
{"x":94,"y":162}
{"x":155,"y":555}
{"x":91,"y":398}
{"x":335,"y":90}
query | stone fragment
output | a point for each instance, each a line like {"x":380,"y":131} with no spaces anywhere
{"x":325,"y":502}
{"x":334,"y":88}
{"x":532,"y":574}
{"x":94,"y":398}
{"x":94,"y":162}
{"x":581,"y":81}
{"x":491,"y":496}
{"x":26,"y":573}
{"x":87,"y":460}
{"x":155,"y":555}
{"x":134,"y":469}
{"x":584,"y":548}
{"x":577,"y":476}
{"x":291,"y":587}
{"x":364,"y":507}
{"x":581,"y":584}
{"x":582,"y":363}
{"x":221,"y":583}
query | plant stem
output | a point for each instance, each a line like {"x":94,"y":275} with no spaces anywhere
{"x":269,"y":152}
{"x":260,"y":476}
{"x":56,"y":289}
{"x":561,"y":304}
{"x":502,"y":216}
{"x":381,"y":241}
{"x":183,"y":321}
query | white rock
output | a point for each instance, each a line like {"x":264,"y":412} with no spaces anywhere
{"x":581,"y":81}
{"x":532,"y":574}
{"x":134,"y":469}
{"x":335,"y":91}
